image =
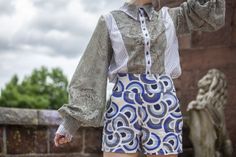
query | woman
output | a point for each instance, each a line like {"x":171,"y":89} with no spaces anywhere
{"x":136,"y":47}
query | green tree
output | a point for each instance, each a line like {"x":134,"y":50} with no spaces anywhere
{"x":43,"y":89}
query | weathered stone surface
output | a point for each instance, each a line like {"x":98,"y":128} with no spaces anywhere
{"x":1,"y":139}
{"x":199,"y":59}
{"x":171,"y":3}
{"x":195,"y":64}
{"x":74,"y":146}
{"x":186,"y":142}
{"x":93,"y":140}
{"x":234,"y":28}
{"x":21,"y":116}
{"x":188,"y":152}
{"x":49,"y":117}
{"x":184,"y":41}
{"x":187,"y":88}
{"x":55,"y":155}
{"x":41,"y":139}
{"x":222,"y":37}
{"x":25,"y":139}
{"x":18,"y":140}
{"x":210,"y":50}
{"x":234,"y":36}
{"x":18,"y":116}
{"x":230,"y":122}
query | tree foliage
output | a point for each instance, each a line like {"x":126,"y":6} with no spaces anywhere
{"x":42,"y":89}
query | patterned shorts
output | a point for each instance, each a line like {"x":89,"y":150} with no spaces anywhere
{"x":144,"y":115}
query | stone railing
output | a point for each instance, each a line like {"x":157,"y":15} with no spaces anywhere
{"x":30,"y":133}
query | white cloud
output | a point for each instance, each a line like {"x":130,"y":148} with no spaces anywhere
{"x":53,"y":33}
{"x":6,"y":7}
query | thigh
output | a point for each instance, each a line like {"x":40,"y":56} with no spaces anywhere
{"x":111,"y":154}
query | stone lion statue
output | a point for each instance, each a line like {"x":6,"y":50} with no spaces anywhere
{"x":206,"y":117}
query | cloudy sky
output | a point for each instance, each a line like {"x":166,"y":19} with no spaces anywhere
{"x":53,"y":33}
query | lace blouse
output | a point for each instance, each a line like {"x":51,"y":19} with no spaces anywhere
{"x":134,"y":39}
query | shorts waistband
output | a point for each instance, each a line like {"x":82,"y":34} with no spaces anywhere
{"x":143,"y":83}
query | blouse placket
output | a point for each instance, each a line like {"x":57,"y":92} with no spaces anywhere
{"x":146,"y":41}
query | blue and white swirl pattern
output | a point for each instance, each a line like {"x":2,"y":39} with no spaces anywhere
{"x":143,"y":115}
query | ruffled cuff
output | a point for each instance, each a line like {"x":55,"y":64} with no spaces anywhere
{"x":68,"y":127}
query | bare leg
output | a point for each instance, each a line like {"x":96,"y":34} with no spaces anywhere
{"x":111,"y":154}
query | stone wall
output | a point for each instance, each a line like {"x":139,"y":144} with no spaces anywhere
{"x":201,"y":51}
{"x":30,"y":133}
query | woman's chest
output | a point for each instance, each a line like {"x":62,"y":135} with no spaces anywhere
{"x":133,"y":36}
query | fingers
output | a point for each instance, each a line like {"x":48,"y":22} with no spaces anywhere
{"x":56,"y":138}
{"x":60,"y":139}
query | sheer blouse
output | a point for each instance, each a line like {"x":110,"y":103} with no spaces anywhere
{"x":133,"y":39}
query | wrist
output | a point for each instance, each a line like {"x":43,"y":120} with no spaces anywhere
{"x":68,"y":127}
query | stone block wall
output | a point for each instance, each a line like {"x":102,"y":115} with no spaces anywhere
{"x":201,"y":51}
{"x":30,"y":133}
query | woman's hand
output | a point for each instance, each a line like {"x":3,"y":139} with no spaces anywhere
{"x":61,"y":139}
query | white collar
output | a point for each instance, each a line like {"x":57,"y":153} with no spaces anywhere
{"x":132,"y":10}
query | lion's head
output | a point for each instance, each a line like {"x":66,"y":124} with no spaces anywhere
{"x":211,"y":91}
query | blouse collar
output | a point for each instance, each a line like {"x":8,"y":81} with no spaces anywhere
{"x":133,"y":9}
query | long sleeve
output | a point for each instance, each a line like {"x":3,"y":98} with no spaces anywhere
{"x":198,"y":15}
{"x":87,"y":88}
